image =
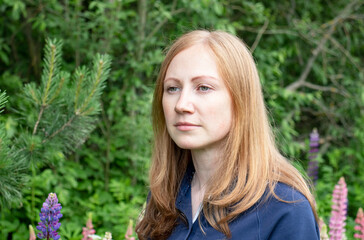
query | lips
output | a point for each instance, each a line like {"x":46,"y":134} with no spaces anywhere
{"x":186,"y":126}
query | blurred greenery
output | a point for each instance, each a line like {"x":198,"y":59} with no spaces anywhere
{"x":310,"y":59}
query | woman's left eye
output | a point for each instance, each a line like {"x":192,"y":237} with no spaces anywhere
{"x":204,"y":88}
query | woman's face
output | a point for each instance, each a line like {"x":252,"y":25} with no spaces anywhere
{"x":196,"y":103}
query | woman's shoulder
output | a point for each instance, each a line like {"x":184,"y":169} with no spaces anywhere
{"x":282,"y":200}
{"x":288,"y":193}
{"x":286,"y":213}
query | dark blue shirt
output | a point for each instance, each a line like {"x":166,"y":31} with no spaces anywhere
{"x":271,"y":219}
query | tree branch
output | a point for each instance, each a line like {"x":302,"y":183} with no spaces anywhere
{"x":333,"y":23}
{"x":269,"y":32}
{"x":356,"y":16}
{"x":259,"y":36}
{"x":142,"y":11}
{"x":320,"y":88}
{"x":160,"y":24}
{"x":346,"y":53}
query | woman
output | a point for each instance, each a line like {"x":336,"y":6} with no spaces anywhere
{"x":216,"y":172}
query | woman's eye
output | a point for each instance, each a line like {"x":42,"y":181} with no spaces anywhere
{"x":204,"y":88}
{"x":172,"y":89}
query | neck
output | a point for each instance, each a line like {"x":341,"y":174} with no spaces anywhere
{"x":205,"y":163}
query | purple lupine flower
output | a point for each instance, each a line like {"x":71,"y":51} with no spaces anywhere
{"x":338,"y":210}
{"x":360,"y":225}
{"x":312,"y":171}
{"x":49,"y":217}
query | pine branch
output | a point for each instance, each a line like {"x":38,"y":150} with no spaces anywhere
{"x":38,"y":120}
{"x":67,"y":124}
{"x":30,"y":90}
{"x":98,"y":77}
{"x":3,"y":100}
{"x":80,"y":76}
{"x":12,"y":166}
{"x":67,"y":129}
{"x":93,"y":90}
{"x":63,"y":79}
{"x":60,"y":124}
{"x":50,"y":75}
{"x":51,"y":69}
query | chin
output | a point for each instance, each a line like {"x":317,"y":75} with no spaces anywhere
{"x":186,"y":145}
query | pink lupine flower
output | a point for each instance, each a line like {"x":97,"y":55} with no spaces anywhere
{"x":338,"y":210}
{"x":360,"y":224}
{"x":129,"y":231}
{"x":88,"y":230}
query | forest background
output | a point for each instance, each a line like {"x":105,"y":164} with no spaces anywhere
{"x":310,"y":59}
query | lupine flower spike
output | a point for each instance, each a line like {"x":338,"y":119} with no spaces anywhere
{"x":360,"y":225}
{"x":129,"y":231}
{"x":338,"y":211}
{"x":89,"y":229}
{"x":323,"y":230}
{"x":49,"y":218}
{"x":312,"y":170}
{"x":31,"y":233}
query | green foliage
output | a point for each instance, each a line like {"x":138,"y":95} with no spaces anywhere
{"x":12,"y":166}
{"x":58,"y":118}
{"x":2,"y":101}
{"x":108,"y":175}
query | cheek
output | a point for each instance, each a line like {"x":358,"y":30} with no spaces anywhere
{"x":224,"y":116}
{"x":166,"y":109}
{"x":220,"y":115}
{"x":225,"y":121}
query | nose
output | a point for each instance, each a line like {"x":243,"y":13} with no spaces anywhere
{"x":184,"y":103}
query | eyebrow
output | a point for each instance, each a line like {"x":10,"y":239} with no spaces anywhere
{"x":193,"y":79}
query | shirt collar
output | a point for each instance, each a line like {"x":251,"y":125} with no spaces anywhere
{"x":183,"y":201}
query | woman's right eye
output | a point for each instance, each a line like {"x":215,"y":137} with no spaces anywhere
{"x":172,"y":89}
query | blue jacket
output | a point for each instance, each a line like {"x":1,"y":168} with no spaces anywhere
{"x":273,"y":219}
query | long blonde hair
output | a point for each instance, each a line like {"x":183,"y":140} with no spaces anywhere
{"x":251,"y":162}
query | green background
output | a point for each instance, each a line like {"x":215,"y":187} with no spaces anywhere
{"x":309,"y":56}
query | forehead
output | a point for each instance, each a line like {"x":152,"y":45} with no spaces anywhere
{"x":195,"y":60}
